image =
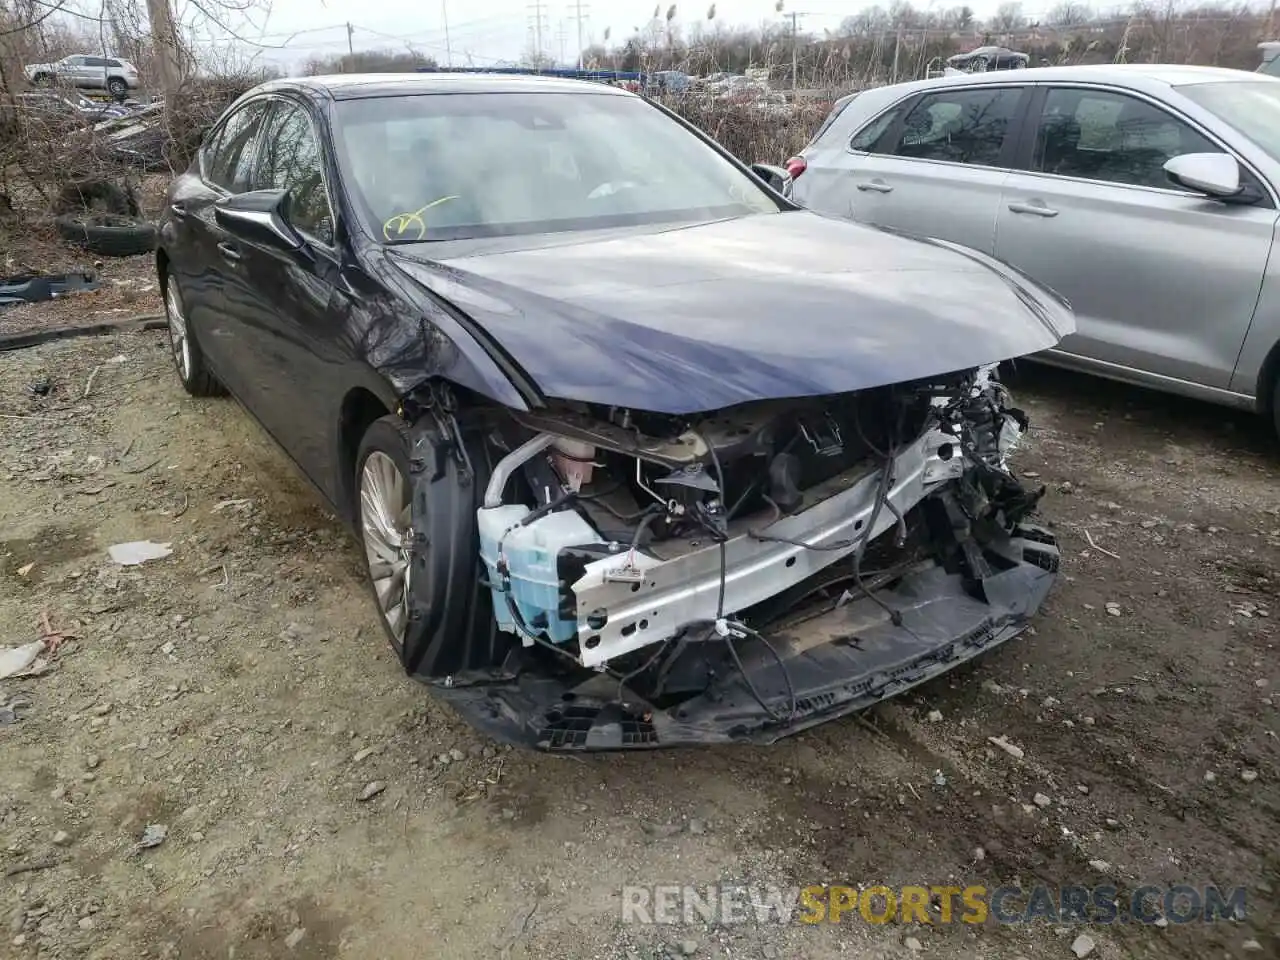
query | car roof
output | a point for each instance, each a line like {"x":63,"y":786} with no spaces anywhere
{"x":1138,"y":75}
{"x":357,"y":86}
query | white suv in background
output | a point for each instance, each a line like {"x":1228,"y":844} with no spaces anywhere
{"x":88,"y":72}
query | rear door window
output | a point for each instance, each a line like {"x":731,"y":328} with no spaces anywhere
{"x":873,"y":138}
{"x":968,"y":126}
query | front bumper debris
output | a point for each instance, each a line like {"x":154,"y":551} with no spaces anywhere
{"x":686,"y":589}
{"x":839,"y":662}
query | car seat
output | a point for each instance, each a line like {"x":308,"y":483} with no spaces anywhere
{"x":1060,"y":145}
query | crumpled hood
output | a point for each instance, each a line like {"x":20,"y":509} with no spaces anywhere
{"x":686,"y":319}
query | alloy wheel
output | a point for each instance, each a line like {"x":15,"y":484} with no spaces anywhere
{"x":385,"y":524}
{"x":178,"y":332}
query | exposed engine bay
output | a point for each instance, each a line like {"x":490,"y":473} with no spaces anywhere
{"x":703,"y":564}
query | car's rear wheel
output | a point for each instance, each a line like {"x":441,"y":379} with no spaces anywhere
{"x":415,"y":512}
{"x":196,"y":377}
{"x":1275,"y":406}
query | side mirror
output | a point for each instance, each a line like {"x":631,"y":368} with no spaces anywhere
{"x":1215,"y":175}
{"x":260,"y":216}
{"x":776,"y":177}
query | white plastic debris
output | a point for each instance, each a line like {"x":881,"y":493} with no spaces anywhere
{"x":17,"y":660}
{"x":1011,"y":749}
{"x":153,"y":835}
{"x":138,"y":551}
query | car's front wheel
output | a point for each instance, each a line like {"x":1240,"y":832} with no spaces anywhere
{"x":386,"y":523}
{"x":196,"y":377}
{"x":117,"y":87}
{"x":415,"y":499}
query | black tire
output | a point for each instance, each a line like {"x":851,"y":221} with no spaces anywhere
{"x":96,"y":196}
{"x":450,"y":631}
{"x":197,"y":379}
{"x":117,"y":87}
{"x":107,"y":234}
{"x":1275,"y":406}
{"x":42,"y":79}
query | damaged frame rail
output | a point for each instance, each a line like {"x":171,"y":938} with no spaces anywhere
{"x":632,"y":599}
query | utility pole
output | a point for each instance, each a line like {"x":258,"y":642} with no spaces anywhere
{"x":561,"y":31}
{"x":795,"y":48}
{"x":351,"y":50}
{"x":164,"y":39}
{"x":536,"y":7}
{"x":578,"y":6}
{"x":448,"y":47}
{"x":897,"y":46}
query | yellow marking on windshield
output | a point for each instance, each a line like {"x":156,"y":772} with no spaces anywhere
{"x":403,"y":221}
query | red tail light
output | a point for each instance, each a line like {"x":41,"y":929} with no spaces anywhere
{"x":796,"y":166}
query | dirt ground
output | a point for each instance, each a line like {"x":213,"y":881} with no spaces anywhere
{"x":127,"y":285}
{"x":240,"y":695}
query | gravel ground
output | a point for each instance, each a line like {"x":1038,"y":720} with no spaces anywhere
{"x":239,"y":695}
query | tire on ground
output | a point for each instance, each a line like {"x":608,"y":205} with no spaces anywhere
{"x":95,"y":195}
{"x":108,"y":235}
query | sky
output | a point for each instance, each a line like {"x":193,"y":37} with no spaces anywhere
{"x":487,"y":32}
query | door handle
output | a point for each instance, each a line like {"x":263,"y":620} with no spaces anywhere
{"x":229,"y":251}
{"x":1035,"y":208}
{"x":875,"y":186}
{"x":178,"y":210}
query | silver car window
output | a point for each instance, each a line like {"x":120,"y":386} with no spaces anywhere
{"x":870,"y":139}
{"x":1104,"y":135}
{"x":958,"y":126}
{"x":1251,"y":107}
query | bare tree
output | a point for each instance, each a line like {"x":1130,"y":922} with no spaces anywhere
{"x":1008,"y":17}
{"x":1069,"y":13}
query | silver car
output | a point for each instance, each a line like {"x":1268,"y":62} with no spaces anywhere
{"x":1145,"y":195}
{"x":88,"y":72}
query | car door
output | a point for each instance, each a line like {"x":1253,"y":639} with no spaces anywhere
{"x":294,"y":334}
{"x":72,"y":70}
{"x":92,"y":72}
{"x":212,"y":284}
{"x":1163,"y":281}
{"x":931,"y":165}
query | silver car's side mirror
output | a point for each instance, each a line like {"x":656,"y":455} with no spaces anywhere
{"x":1214,"y":174}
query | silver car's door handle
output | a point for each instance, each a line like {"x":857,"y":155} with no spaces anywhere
{"x":875,"y":186}
{"x":1035,"y":209}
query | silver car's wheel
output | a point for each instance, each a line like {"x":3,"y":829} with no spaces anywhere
{"x":178,"y":333}
{"x":385,"y":526}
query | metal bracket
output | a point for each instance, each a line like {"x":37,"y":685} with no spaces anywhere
{"x":436,"y":399}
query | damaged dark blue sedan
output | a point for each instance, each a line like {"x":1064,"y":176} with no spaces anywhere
{"x":639,"y":454}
